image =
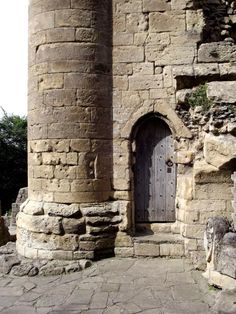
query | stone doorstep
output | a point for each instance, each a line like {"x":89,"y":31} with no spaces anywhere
{"x":159,"y":245}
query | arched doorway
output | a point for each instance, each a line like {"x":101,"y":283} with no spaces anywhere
{"x":154,"y":172}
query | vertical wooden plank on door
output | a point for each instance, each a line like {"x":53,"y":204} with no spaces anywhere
{"x":170,"y":179}
{"x":160,"y":188}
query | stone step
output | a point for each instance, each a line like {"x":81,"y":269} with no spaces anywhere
{"x":158,"y":227}
{"x":159,"y":245}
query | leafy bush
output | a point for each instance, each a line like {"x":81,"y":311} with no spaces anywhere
{"x":13,"y":157}
{"x":199,"y":98}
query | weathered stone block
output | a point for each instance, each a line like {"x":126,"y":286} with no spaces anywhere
{"x":184,"y":157}
{"x":171,"y":55}
{"x":167,"y":21}
{"x":60,"y":35}
{"x":133,"y":6}
{"x":99,"y":221}
{"x":123,"y":39}
{"x":124,"y":251}
{"x":62,"y":210}
{"x":101,"y":229}
{"x":193,"y":231}
{"x":206,"y":173}
{"x":128,"y":54}
{"x":146,"y":249}
{"x":222,"y":92}
{"x":195,"y":21}
{"x":155,"y":5}
{"x":171,"y":249}
{"x":44,"y":21}
{"x":144,"y":82}
{"x":73,"y":17}
{"x":64,"y":51}
{"x":32,"y":208}
{"x":67,"y":242}
{"x":190,"y":244}
{"x":55,"y":5}
{"x":185,"y":187}
{"x":74,"y":225}
{"x":43,"y":172}
{"x":80,"y":145}
{"x":123,"y":240}
{"x":217,"y":52}
{"x":101,"y":210}
{"x":213,"y":191}
{"x":40,"y":224}
{"x":83,"y":255}
{"x":53,"y":158}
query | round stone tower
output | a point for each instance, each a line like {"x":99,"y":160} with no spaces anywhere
{"x":69,"y":128}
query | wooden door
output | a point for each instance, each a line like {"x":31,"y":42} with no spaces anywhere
{"x":154,"y":173}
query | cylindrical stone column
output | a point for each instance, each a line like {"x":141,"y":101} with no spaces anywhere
{"x":69,"y":123}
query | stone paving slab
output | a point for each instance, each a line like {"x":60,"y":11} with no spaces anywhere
{"x":150,"y":286}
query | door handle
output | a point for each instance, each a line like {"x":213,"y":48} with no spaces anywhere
{"x":169,"y":163}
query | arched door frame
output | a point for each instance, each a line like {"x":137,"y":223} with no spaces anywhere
{"x":137,"y":126}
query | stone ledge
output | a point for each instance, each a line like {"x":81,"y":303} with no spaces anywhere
{"x":216,"y":279}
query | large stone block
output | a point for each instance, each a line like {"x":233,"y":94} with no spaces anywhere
{"x":172,"y":249}
{"x":193,"y":231}
{"x":219,"y":150}
{"x":124,"y":251}
{"x":73,"y":17}
{"x":47,"y":242}
{"x":213,"y":191}
{"x":145,"y":82}
{"x":128,"y":54}
{"x":146,"y":249}
{"x":205,"y":173}
{"x":222,"y":92}
{"x":54,"y":5}
{"x":185,"y":187}
{"x":62,"y":210}
{"x":40,"y":224}
{"x":217,"y":52}
{"x":32,"y":208}
{"x":155,"y":5}
{"x":60,"y":35}
{"x":167,"y":21}
{"x":195,"y":21}
{"x":74,"y":225}
{"x":65,"y":51}
{"x":44,"y":21}
{"x":171,"y":55}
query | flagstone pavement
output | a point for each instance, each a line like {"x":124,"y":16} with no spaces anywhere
{"x":150,"y":286}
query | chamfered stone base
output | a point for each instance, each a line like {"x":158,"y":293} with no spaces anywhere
{"x":56,"y":231}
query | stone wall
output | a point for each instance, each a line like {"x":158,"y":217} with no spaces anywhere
{"x":160,"y":56}
{"x":95,"y":70}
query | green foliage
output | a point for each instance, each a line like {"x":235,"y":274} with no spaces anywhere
{"x":13,"y":157}
{"x":199,"y":98}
